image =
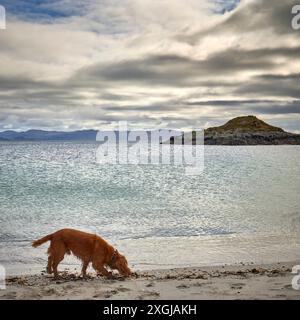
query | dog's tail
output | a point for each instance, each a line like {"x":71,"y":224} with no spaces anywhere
{"x":42,"y":240}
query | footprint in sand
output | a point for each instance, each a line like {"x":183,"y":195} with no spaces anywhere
{"x":122,"y":289}
{"x":201,"y":284}
{"x":148,"y":294}
{"x":150,"y":284}
{"x":110,"y":293}
{"x":237,"y":286}
{"x":32,"y":295}
{"x":283,"y":296}
{"x":10,"y":295}
{"x":288,"y":286}
{"x":68,"y":287}
{"x":50,"y":292}
{"x":182,"y":286}
{"x":98,"y":295}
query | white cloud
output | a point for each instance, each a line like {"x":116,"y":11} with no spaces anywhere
{"x":142,"y":60}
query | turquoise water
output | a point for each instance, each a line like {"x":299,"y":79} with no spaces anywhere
{"x":243,"y":192}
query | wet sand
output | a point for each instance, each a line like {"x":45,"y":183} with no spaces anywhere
{"x":253,"y":281}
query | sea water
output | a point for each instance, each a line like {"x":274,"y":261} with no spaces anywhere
{"x":245,"y":206}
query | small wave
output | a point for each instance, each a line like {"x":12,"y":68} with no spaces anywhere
{"x":15,"y":240}
{"x":180,"y":235}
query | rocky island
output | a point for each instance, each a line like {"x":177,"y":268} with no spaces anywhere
{"x":246,"y":130}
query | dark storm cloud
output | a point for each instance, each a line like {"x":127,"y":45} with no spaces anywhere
{"x":225,"y":103}
{"x":175,"y":70}
{"x":253,"y":16}
{"x":263,"y":14}
{"x":249,"y":106}
{"x":286,"y":86}
{"x":255,"y":106}
{"x":180,"y":71}
{"x":20,"y":83}
{"x":281,"y":77}
{"x":287,"y":108}
{"x":166,"y":106}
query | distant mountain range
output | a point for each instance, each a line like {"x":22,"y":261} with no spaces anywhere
{"x":247,"y":130}
{"x":40,"y":135}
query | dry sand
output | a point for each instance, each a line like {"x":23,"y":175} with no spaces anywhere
{"x":223,"y":282}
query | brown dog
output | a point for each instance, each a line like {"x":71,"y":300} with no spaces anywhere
{"x":85,"y":246}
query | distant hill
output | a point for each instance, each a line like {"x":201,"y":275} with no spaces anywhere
{"x":244,"y":124}
{"x":40,"y":135}
{"x":246,"y":130}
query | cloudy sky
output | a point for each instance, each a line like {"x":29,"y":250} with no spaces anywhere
{"x":70,"y":64}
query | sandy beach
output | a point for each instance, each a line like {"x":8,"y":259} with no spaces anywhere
{"x":272,"y":281}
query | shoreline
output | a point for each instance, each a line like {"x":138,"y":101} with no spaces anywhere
{"x":174,"y":252}
{"x":241,"y":281}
